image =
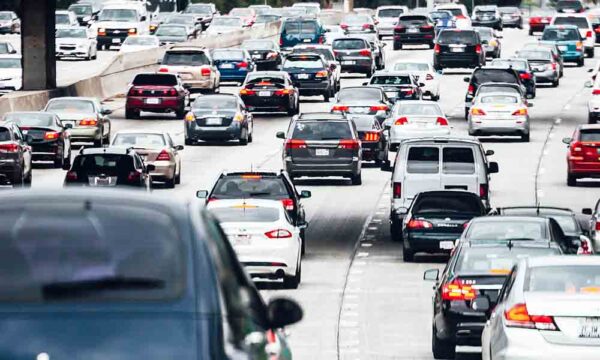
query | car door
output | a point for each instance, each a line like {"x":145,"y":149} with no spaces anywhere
{"x":104,"y":120}
{"x":459,"y":168}
{"x":174,"y":150}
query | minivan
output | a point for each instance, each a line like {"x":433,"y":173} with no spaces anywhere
{"x":438,"y":163}
{"x":300,"y":30}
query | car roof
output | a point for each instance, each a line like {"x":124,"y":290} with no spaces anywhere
{"x":564,"y":260}
{"x":115,"y":150}
{"x":392,"y":73}
{"x":82,"y":98}
{"x":443,"y":140}
{"x":589,"y":127}
{"x":321,"y":116}
{"x":537,"y":244}
{"x":509,"y":218}
{"x":230,"y":203}
{"x":541,"y":210}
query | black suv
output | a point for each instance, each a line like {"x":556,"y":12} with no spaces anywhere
{"x":311,"y":74}
{"x":265,"y":53}
{"x":270,"y":91}
{"x":261,"y":185}
{"x":15,"y":156}
{"x":489,"y":74}
{"x":109,"y":167}
{"x":414,"y":29}
{"x":455,"y":48}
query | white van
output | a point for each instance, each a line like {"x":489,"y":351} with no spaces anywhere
{"x":438,"y":163}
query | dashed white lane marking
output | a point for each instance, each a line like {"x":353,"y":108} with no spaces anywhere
{"x":557,"y":122}
{"x":376,"y":220}
{"x":567,"y":107}
{"x":362,"y":254}
{"x":366,"y":245}
{"x":372,"y":228}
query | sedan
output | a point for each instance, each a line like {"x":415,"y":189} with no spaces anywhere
{"x":374,"y":138}
{"x":327,"y":53}
{"x":538,"y":20}
{"x":194,"y":28}
{"x":363,"y":100}
{"x":499,"y":114}
{"x":224,"y":25}
{"x":172,"y":34}
{"x":233,"y":64}
{"x":9,"y":22}
{"x":398,"y":85}
{"x":511,"y":16}
{"x":410,"y":119}
{"x":156,"y":92}
{"x":220,"y":117}
{"x":265,"y":53}
{"x":156,"y":148}
{"x":10,"y":73}
{"x":583,"y":157}
{"x":424,"y":73}
{"x":77,"y":42}
{"x":355,"y":55}
{"x":357,"y":23}
{"x":543,"y":65}
{"x":311,"y":74}
{"x":549,"y":306}
{"x":271,"y":91}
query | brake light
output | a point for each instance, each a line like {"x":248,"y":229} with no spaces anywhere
{"x":518,"y":316}
{"x":483,"y":191}
{"x":478,"y":48}
{"x":365,"y":52}
{"x":426,"y":27}
{"x":436,"y":48}
{"x":51,"y":135}
{"x":295,"y":144}
{"x":477,"y":111}
{"x":288,"y":204}
{"x":134,"y":176}
{"x":408,"y":91}
{"x":88,"y":122}
{"x":282,"y":92}
{"x":171,"y":92}
{"x":101,"y":32}
{"x":163,"y":70}
{"x":349,"y":144}
{"x":379,"y":108}
{"x":205,"y":71}
{"x":579,"y":46}
{"x":525,"y":76}
{"x":322,"y":74}
{"x":278,"y":234}
{"x":471,"y":89}
{"x":132,"y":31}
{"x":576,"y":149}
{"x":399,"y":28}
{"x":456,"y":290}
{"x":367,"y":26}
{"x":429,"y":77}
{"x":419,"y":224}
{"x":9,"y":148}
{"x":245,"y":91}
{"x":242,"y":64}
{"x":321,"y":39}
{"x":588,"y":34}
{"x":401,"y":121}
{"x":596,"y":92}
{"x":372,"y":136}
{"x":340,"y":108}
{"x":597,"y":227}
{"x":534,"y":20}
{"x":520,"y":112}
{"x":344,"y":26}
{"x":163,"y":156}
{"x":597,"y":30}
{"x":442,"y":121}
{"x":397,"y":191}
{"x":280,"y":41}
{"x":134,"y":92}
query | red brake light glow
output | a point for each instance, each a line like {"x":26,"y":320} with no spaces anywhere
{"x":163,"y":70}
{"x":397,"y":190}
{"x":295,"y":144}
{"x":242,"y":64}
{"x":163,"y":156}
{"x":365,"y":52}
{"x":51,"y":135}
{"x":419,"y":224}
{"x":401,"y":121}
{"x":288,"y":204}
{"x":372,"y":136}
{"x":9,"y":148}
{"x":245,"y":91}
{"x":71,"y":176}
{"x":442,"y":121}
{"x":350,"y":144}
{"x":88,"y":122}
{"x":379,"y":108}
{"x":340,"y":108}
{"x":278,"y":234}
{"x":518,"y":316}
{"x":456,"y":290}
{"x":436,"y":48}
{"x":205,"y":71}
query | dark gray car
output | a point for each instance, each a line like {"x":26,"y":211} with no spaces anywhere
{"x":15,"y":156}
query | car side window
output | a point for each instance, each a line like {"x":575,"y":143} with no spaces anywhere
{"x":17,"y":132}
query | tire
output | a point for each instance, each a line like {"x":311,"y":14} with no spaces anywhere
{"x":188,"y":142}
{"x":591,"y":119}
{"x":170,"y":183}
{"x":580,"y":62}
{"x":590,"y":53}
{"x":441,"y":349}
{"x":530,"y":32}
{"x":251,"y":136}
{"x":555,"y":83}
{"x":408,"y":256}
{"x":178,"y":178}
{"x":525,"y":137}
{"x":292,"y":282}
{"x":67,"y":162}
{"x":326,"y":96}
{"x":180,"y":113}
{"x":18,"y":179}
{"x":356,"y":179}
{"x":28,"y":180}
{"x":435,"y":98}
{"x":303,"y":237}
{"x":571,"y":180}
{"x":466,"y":114}
{"x":244,"y":139}
{"x":98,"y":143}
{"x":397,"y":46}
{"x":130,"y":114}
{"x":431,"y":45}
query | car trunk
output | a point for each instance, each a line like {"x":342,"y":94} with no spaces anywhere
{"x":322,"y":152}
{"x":488,"y":285}
{"x":37,"y":133}
{"x":214,"y":118}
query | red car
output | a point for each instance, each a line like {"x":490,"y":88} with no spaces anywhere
{"x":583,"y":158}
{"x":538,"y":22}
{"x":156,"y":92}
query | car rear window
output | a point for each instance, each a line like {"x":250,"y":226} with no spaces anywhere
{"x":499,"y":99}
{"x":494,"y":75}
{"x":458,"y":160}
{"x":247,"y":213}
{"x":5,"y":134}
{"x":454,"y":11}
{"x":353,"y":19}
{"x":517,"y":65}
{"x":228,"y":55}
{"x":390,"y":13}
{"x":411,"y":67}
{"x":193,"y":58}
{"x":171,"y":30}
{"x":71,"y":105}
{"x":264,"y":80}
{"x":592,"y":135}
{"x":155,"y":79}
{"x":580,"y":22}
{"x":31,"y":119}
{"x":300,"y":27}
{"x":419,"y":109}
{"x":572,"y":279}
{"x":391,"y":80}
{"x":506,"y":230}
{"x":561,"y":35}
{"x":447,"y":204}
{"x":215,"y":103}
{"x":413,"y":19}
{"x":365,"y":122}
{"x":458,"y":37}
{"x":147,"y":141}
{"x":358,"y":94}
{"x":249,"y":186}
{"x":493,"y":89}
{"x":349,"y":44}
{"x":303,"y":62}
{"x":322,"y":130}
{"x":107,"y":164}
{"x":423,"y":160}
{"x":93,"y":253}
{"x":497,"y":260}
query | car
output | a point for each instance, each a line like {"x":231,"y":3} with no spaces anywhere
{"x":264,"y":237}
{"x":327,"y":54}
{"x":11,"y":73}
{"x":311,"y":7}
{"x":9,"y":23}
{"x":156,"y":148}
{"x":413,"y":119}
{"x":424,"y":73}
{"x":89,"y":120}
{"x":569,"y":6}
{"x":65,"y":18}
{"x":386,"y":18}
{"x":460,"y":13}
{"x":203,"y":13}
{"x":442,"y":19}
{"x":156,"y":92}
{"x":355,"y":55}
{"x":374,"y":139}
{"x":594,"y":102}
{"x":118,"y":20}
{"x":301,"y":30}
{"x":491,"y":42}
{"x":169,"y":34}
{"x":475,"y":271}
{"x":435,"y":219}
{"x":15,"y":156}
{"x":194,"y":66}
{"x":487,"y":74}
{"x":488,"y":16}
{"x":6,"y":48}
{"x":414,"y":30}
{"x":125,"y":278}
{"x":265,"y":53}
{"x":458,"y":48}
{"x":593,"y":225}
{"x":310,"y":74}
{"x":431,"y":163}
{"x":499,"y":114}
{"x":511,"y":16}
{"x":498,"y":87}
{"x":219,"y":117}
{"x":547,"y":305}
{"x":233,"y":64}
{"x":261,"y":9}
{"x":157,"y":20}
{"x":586,"y":30}
{"x":332,"y":32}
{"x":357,"y":23}
{"x":322,"y":145}
{"x":525,"y":70}
{"x":594,"y":17}
{"x":273,"y":185}
{"x":139,"y":43}
{"x":545,"y":69}
{"x":86,"y":12}
{"x":223,"y":25}
{"x":539,"y":20}
{"x":248,"y":15}
{"x":553,"y":47}
{"x":363,"y":101}
{"x":47,"y":136}
{"x":398,"y":85}
{"x":193,"y":27}
{"x":266,"y":19}
{"x":270,"y":91}
{"x":583,"y":160}
{"x":377,"y":47}
{"x":568,"y":40}
{"x":77,"y":42}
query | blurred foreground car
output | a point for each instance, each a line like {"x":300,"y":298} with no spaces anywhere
{"x":583,"y":157}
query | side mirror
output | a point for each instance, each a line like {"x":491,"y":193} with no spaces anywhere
{"x":365,"y":84}
{"x":493,"y":167}
{"x":466,"y":79}
{"x":280,"y":135}
{"x":431,"y":275}
{"x":13,"y":51}
{"x":282,"y":312}
{"x":588,"y":84}
{"x":481,"y":304}
{"x":489,"y":152}
{"x":202,"y":194}
{"x":28,"y":138}
{"x":179,"y":147}
{"x":421,"y":84}
{"x":105,"y":111}
{"x":587,"y":211}
{"x":159,"y":61}
{"x":530,"y":104}
{"x":305,"y":194}
{"x":142,"y":18}
{"x":150,"y":168}
{"x":590,"y":70}
{"x":402,"y":211}
{"x":567,"y":140}
{"x":68,"y":126}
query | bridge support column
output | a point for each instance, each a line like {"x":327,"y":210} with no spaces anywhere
{"x":37,"y":44}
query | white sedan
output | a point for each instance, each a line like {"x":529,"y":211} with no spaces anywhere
{"x":424,"y":73}
{"x":77,"y":42}
{"x":499,"y":114}
{"x":594,"y":101}
{"x":263,"y":236}
{"x":419,"y":118}
{"x":11,"y":78}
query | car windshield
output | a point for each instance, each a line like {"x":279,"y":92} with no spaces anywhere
{"x":171,"y":31}
{"x":300,"y":27}
{"x":222,"y":21}
{"x":71,"y":33}
{"x":436,"y":15}
{"x":118,"y":15}
{"x":192,"y":58}
{"x":322,"y":130}
{"x":349,"y":44}
{"x":78,"y":106}
{"x":457,"y":37}
{"x":228,"y":55}
{"x":494,"y":75}
{"x":62,"y":19}
{"x":411,"y":67}
{"x":499,"y":99}
{"x":155,"y":79}
{"x":517,"y":65}
{"x":107,"y":164}
{"x":391,"y":80}
{"x":245,"y":213}
{"x":141,"y":41}
{"x":580,"y":22}
{"x":570,"y":279}
{"x":140,"y":140}
{"x":359,"y":94}
{"x":59,"y":253}
{"x":561,"y":35}
{"x":506,"y":230}
{"x":250,"y":186}
{"x":258,"y":45}
{"x":240,"y":12}
{"x":215,"y":103}
{"x":5,"y":16}
{"x":182,"y":19}
{"x":5,"y":134}
{"x":390,"y":13}
{"x":303,"y":62}
{"x":447,"y":204}
{"x":198,"y":9}
{"x":254,"y":79}
{"x":496,"y":260}
{"x":589,"y":135}
{"x":419,"y":109}
{"x":81,"y":9}
{"x":10,"y":63}
{"x":356,"y":19}
{"x":31,"y":119}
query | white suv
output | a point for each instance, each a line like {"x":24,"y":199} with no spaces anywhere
{"x":585,"y":29}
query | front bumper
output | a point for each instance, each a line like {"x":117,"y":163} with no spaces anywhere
{"x":195,"y":133}
{"x":323,"y":169}
{"x":72,"y":53}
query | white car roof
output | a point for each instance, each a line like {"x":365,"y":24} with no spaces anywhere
{"x":226,"y":203}
{"x":563,"y":260}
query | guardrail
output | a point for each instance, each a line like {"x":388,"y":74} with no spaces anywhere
{"x":117,"y":75}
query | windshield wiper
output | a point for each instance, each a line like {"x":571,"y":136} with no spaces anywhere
{"x":82,"y":288}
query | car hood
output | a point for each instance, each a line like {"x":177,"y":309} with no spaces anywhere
{"x":172,"y":38}
{"x":218,"y":28}
{"x":77,"y":41}
{"x":10,"y":73}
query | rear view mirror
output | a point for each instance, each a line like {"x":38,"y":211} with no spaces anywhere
{"x":305,"y":194}
{"x":280,"y":135}
{"x":202,"y":194}
{"x":283,"y":312}
{"x":431,"y":275}
{"x":493,"y":167}
{"x":586,"y":211}
{"x":567,"y":140}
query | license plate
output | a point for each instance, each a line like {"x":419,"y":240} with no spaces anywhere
{"x":348,"y":62}
{"x":214,"y":121}
{"x":116,"y":41}
{"x":226,"y":66}
{"x":322,"y":152}
{"x":152,"y":101}
{"x":264,"y":93}
{"x":359,"y":110}
{"x":306,"y":40}
{"x":413,"y":30}
{"x":302,"y":76}
{"x":72,"y":123}
{"x":186,"y":76}
{"x":256,"y":56}
{"x":446,"y":245}
{"x":101,"y":181}
{"x":242,"y":240}
{"x":545,"y":21}
{"x":589,"y":328}
{"x":562,"y":48}
{"x":457,"y":49}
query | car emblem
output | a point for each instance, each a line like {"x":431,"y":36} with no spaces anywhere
{"x":116,"y":32}
{"x":347,"y":52}
{"x":152,"y":92}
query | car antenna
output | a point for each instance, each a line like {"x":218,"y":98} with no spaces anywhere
{"x":510,"y":244}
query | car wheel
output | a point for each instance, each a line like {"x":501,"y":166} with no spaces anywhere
{"x":292,"y":282}
{"x":555,"y":83}
{"x":178,"y":177}
{"x":591,"y":119}
{"x":303,"y":238}
{"x":590,"y":53}
{"x":396,"y":231}
{"x":130,"y":114}
{"x":244,"y":137}
{"x":431,"y":45}
{"x":188,"y":142}
{"x":408,"y":255}
{"x":525,"y":137}
{"x":397,"y":46}
{"x":98,"y":142}
{"x":19,"y":177}
{"x":326,"y":96}
{"x":441,"y":349}
{"x":180,"y":113}
{"x":466,"y":114}
{"x":67,"y":162}
{"x":530,"y":32}
{"x":28,"y":180}
{"x":251,"y":136}
{"x":571,"y":180}
{"x":356,"y":179}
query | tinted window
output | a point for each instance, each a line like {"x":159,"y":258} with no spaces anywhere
{"x":391,"y":80}
{"x":497,"y":260}
{"x":580,"y":22}
{"x":249,"y":186}
{"x":561,"y":35}
{"x":62,"y":19}
{"x":81,"y":9}
{"x":228,"y":55}
{"x":499,"y":99}
{"x":423,"y":160}
{"x":264,"y":80}
{"x":517,"y":65}
{"x":4,"y":134}
{"x":62,"y":252}
{"x":322,"y":130}
{"x":304,"y":27}
{"x":494,"y":75}
{"x":118,"y":15}
{"x":267,"y":18}
{"x":349,"y":44}
{"x":457,"y":37}
{"x":589,"y":135}
{"x":108,"y":164}
{"x":151,"y":141}
{"x":413,"y":20}
{"x":10,"y":63}
{"x":247,"y":213}
{"x":564,"y":278}
{"x":215,"y":103}
{"x":31,"y":119}
{"x":71,"y":105}
{"x":458,"y":160}
{"x":351,"y":94}
{"x":506,"y":230}
{"x":155,"y":79}
{"x":390,"y":13}
{"x":450,"y":204}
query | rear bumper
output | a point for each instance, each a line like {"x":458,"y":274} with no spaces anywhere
{"x":359,"y":65}
{"x":465,"y":60}
{"x":163,"y":170}
{"x":320,"y":169}
{"x":273,"y":103}
{"x":85,"y":133}
{"x":460,"y":324}
{"x":428,"y":242}
{"x":166,"y":104}
{"x":499,"y":127}
{"x":308,"y":88}
{"x":547,"y":76}
{"x":194,"y":132}
{"x":414,"y":38}
{"x":487,"y":23}
{"x":44,"y":151}
{"x":584,"y":168}
{"x":572,"y":55}
{"x":270,"y":262}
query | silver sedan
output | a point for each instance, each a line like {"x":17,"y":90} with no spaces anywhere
{"x":499,"y":114}
{"x":413,"y":119}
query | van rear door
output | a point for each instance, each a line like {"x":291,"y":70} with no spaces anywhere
{"x":422,"y":171}
{"x":458,"y":170}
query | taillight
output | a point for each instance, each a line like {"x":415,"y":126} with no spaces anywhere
{"x":397,"y":190}
{"x":51,"y":135}
{"x":245,"y":91}
{"x":295,"y":144}
{"x":372,"y":136}
{"x":280,"y":41}
{"x":340,"y":108}
{"x":471,"y":89}
{"x":576,"y":148}
{"x":401,"y":121}
{"x":478,"y":48}
{"x":597,"y":227}
{"x":427,"y":27}
{"x":520,"y":112}
{"x":278,"y":234}
{"x":442,"y":121}
{"x":344,"y":26}
{"x":429,"y":77}
{"x":365,"y":52}
{"x":436,"y":48}
{"x":534,"y":20}
{"x":419,"y":224}
{"x":163,"y":70}
{"x":399,"y":28}
{"x":71,"y":176}
{"x":379,"y":108}
{"x":518,"y":316}
{"x":456,"y":290}
{"x":321,"y":39}
{"x":88,"y":122}
{"x":588,"y":34}
{"x":483,"y":191}
{"x":134,"y":92}
{"x":205,"y":71}
{"x":477,"y":111}
{"x":163,"y":156}
{"x":596,"y":92}
{"x":242,"y":64}
{"x":349,"y":144}
{"x":584,"y":248}
{"x":9,"y":148}
{"x":525,"y":76}
{"x":579,"y":46}
{"x":407,"y":91}
{"x":282,"y":92}
{"x":322,"y":74}
{"x":367,"y":26}
{"x":101,"y":32}
{"x":134,"y":176}
{"x":288,"y":204}
{"x":170,"y":92}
